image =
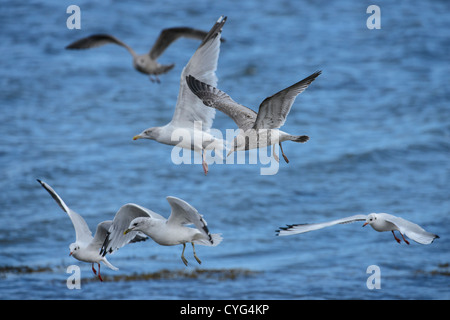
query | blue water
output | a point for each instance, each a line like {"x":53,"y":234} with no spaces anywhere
{"x":378,"y":118}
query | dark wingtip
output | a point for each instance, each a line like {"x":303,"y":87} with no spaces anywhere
{"x":215,"y":30}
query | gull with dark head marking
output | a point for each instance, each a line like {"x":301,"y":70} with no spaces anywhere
{"x":378,"y":221}
{"x":87,"y":248}
{"x":190,"y":111}
{"x":165,"y":232}
{"x":257,"y":129}
{"x":145,"y":63}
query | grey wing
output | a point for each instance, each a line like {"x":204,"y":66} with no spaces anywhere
{"x":168,"y":36}
{"x":203,"y":65}
{"x":100,"y":234}
{"x":82,"y":231}
{"x":302,"y":228}
{"x":274,"y":110}
{"x":98,"y":40}
{"x":183,"y":213}
{"x":115,"y":238}
{"x":410,"y":229}
{"x":217,"y":99}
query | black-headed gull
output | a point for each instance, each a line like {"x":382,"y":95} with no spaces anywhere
{"x":87,"y":248}
{"x":189,"y":111}
{"x":145,"y":63}
{"x":378,"y":221}
{"x":166,"y":232}
{"x":257,"y":129}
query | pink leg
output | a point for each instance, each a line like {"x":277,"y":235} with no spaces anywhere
{"x":398,"y":240}
{"x":284,"y":156}
{"x":404,"y":238}
{"x":204,"y":164}
{"x":99,"y":276}
{"x":93,"y":270}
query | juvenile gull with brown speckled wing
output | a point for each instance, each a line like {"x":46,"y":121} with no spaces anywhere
{"x":261,"y":128}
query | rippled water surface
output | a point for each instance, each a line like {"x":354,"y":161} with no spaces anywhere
{"x":378,"y":119}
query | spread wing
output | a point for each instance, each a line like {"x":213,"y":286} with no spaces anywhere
{"x":82,"y":231}
{"x":100,"y":234}
{"x":183,"y":213}
{"x":302,"y":228}
{"x":170,"y":35}
{"x":97,"y":40}
{"x":202,"y":65}
{"x":115,"y":238}
{"x":217,"y":99}
{"x":274,"y":110}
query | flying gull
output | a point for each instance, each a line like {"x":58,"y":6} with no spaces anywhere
{"x":86,"y":248}
{"x":146,"y":63}
{"x":189,"y":110}
{"x":257,"y":129}
{"x":165,"y":232}
{"x":379,"y":222}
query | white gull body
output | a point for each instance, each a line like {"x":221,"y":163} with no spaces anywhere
{"x":85,"y":248}
{"x":165,"y":232}
{"x":380,"y":222}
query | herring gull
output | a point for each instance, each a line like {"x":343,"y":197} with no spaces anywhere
{"x":378,"y":221}
{"x":257,"y":129}
{"x":87,"y":248}
{"x":190,"y":111}
{"x":166,"y":232}
{"x":145,"y":63}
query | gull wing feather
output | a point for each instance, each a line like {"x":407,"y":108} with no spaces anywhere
{"x":97,"y":40}
{"x":410,"y":229}
{"x":100,"y":234}
{"x":183,"y":213}
{"x":115,"y":239}
{"x":203,"y":65}
{"x":170,"y":35}
{"x":274,"y":110}
{"x":302,"y":228}
{"x":82,"y":231}
{"x":217,"y":99}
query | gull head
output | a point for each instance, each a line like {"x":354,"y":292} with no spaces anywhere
{"x":138,"y":224}
{"x":371,"y":219}
{"x":73,"y":248}
{"x":150,"y":133}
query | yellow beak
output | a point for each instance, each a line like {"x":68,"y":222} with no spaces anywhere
{"x":136,"y":137}
{"x":126,"y":231}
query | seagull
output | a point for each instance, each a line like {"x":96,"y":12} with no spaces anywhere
{"x":189,"y":111}
{"x":145,"y":63}
{"x":257,"y":129}
{"x":165,"y":232}
{"x":86,"y":248}
{"x":378,"y":221}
